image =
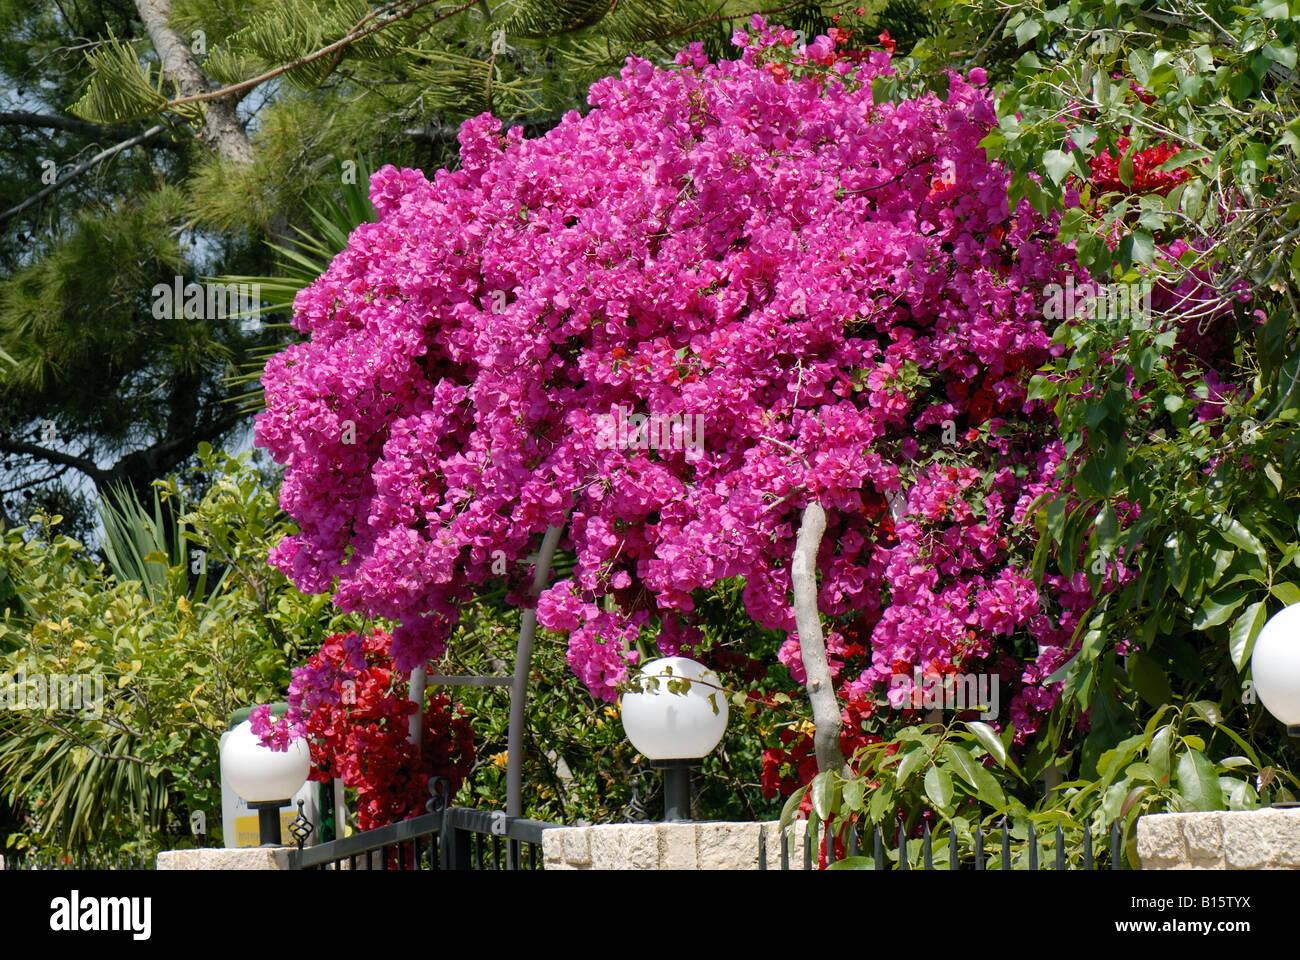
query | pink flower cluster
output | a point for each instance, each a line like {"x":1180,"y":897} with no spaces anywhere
{"x":836,"y":285}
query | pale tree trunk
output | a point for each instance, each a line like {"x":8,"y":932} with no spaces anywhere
{"x":523,"y":667}
{"x":223,"y":131}
{"x":812,"y":647}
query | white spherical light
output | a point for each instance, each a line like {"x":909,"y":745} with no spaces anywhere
{"x":675,"y":726}
{"x":260,"y":774}
{"x":1275,"y":665}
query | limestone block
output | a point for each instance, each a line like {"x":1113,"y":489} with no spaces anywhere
{"x":727,"y":846}
{"x":640,"y":846}
{"x":225,"y":858}
{"x":606,"y":844}
{"x":1267,"y":839}
{"x":677,"y":846}
{"x":1160,"y":842}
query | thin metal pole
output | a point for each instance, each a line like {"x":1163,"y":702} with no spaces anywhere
{"x":340,"y":810}
{"x":519,"y":687}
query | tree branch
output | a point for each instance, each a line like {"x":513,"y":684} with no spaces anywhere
{"x":88,"y":467}
{"x":223,"y":131}
{"x":812,"y":648}
{"x":523,"y":667}
{"x":353,"y":36}
{"x":22,"y":118}
{"x":81,"y":168}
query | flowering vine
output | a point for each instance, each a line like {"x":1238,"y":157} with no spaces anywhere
{"x":835,"y":285}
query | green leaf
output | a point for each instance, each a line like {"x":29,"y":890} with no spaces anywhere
{"x":1082,"y":135}
{"x":1274,"y":477}
{"x":854,"y":793}
{"x":1286,"y":56}
{"x":909,"y":764}
{"x":1149,"y":680}
{"x":1241,"y":638}
{"x":938,"y":787}
{"x":1142,"y":247}
{"x":1238,"y":535}
{"x":1158,"y":754}
{"x":1193,"y":199}
{"x":1027,"y":31}
{"x":853,"y":863}
{"x":1288,"y":593}
{"x":825,"y":795}
{"x":965,"y":764}
{"x":791,"y":808}
{"x":1198,"y":782}
{"x":1058,"y":164}
{"x":990,"y":742}
{"x":879,"y":804}
{"x":1217,"y":609}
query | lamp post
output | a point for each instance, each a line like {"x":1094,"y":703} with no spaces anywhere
{"x":265,"y":778}
{"x":674,"y":728}
{"x":1275,"y":669}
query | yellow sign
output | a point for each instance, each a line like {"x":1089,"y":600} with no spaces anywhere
{"x":247,"y":833}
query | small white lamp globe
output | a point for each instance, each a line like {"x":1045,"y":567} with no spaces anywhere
{"x":675,"y":726}
{"x":1275,"y":665}
{"x":260,"y":774}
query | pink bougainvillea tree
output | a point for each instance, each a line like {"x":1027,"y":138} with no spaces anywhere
{"x":726,"y":292}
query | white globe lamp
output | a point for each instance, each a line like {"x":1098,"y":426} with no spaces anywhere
{"x":676,"y":714}
{"x":266,"y":779}
{"x":1275,"y":667}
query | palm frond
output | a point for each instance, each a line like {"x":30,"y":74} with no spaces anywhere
{"x":137,"y":546}
{"x":298,"y":264}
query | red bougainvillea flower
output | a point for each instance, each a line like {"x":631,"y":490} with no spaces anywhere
{"x":352,"y":707}
{"x":1147,"y":175}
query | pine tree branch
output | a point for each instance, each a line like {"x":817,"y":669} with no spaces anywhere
{"x":81,"y":168}
{"x":723,"y":17}
{"x":358,"y":32}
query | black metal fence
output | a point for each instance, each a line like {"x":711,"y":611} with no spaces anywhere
{"x":920,"y":854}
{"x":80,"y":862}
{"x":458,"y":838}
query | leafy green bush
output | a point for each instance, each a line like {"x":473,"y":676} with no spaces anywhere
{"x":178,"y":643}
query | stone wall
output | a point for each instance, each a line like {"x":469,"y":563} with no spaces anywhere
{"x":666,"y":846}
{"x":1267,"y":839}
{"x":225,"y":858}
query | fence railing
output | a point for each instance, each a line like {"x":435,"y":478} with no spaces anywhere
{"x":920,"y":854}
{"x":78,"y":862}
{"x":458,"y":838}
